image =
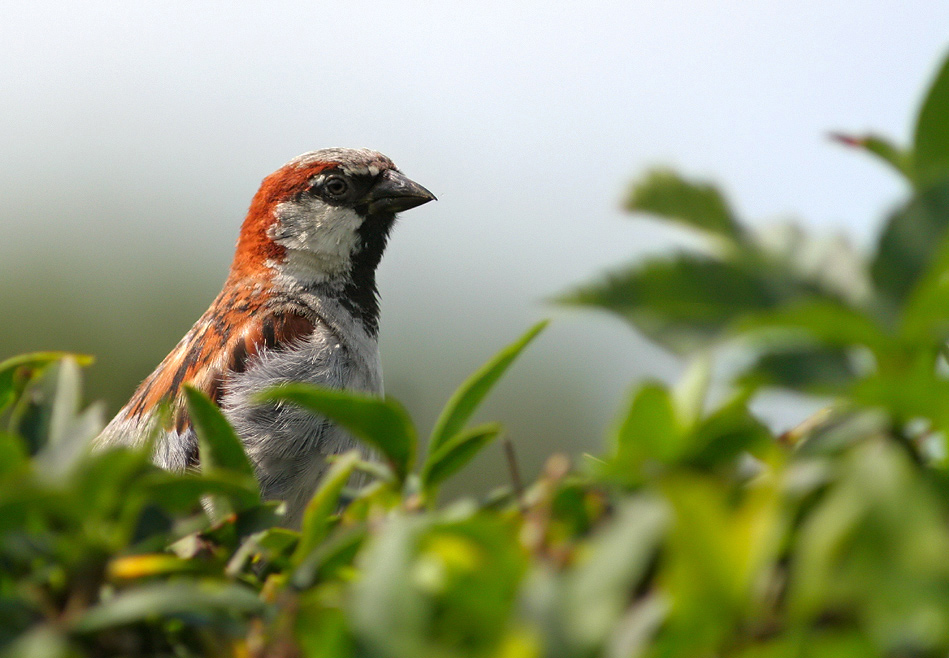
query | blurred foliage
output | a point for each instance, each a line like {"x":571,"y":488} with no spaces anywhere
{"x":696,"y":532}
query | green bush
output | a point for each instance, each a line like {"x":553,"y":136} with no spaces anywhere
{"x":697,"y":532}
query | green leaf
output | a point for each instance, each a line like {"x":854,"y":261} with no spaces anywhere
{"x":9,"y":390}
{"x":908,"y":243}
{"x":41,"y":641}
{"x":696,"y":205}
{"x":200,"y":603}
{"x":825,"y":321}
{"x":827,"y":266}
{"x":726,"y":433}
{"x":469,"y":395}
{"x":454,"y":453}
{"x":818,"y":369}
{"x":684,"y":303}
{"x":899,"y":159}
{"x":925,"y":317}
{"x":430,"y":589}
{"x":931,"y":141}
{"x":325,"y":561}
{"x":382,"y":423}
{"x":219,"y":445}
{"x":317,"y":517}
{"x":597,"y":590}
{"x":650,"y":431}
{"x":322,"y":632}
{"x":69,"y":432}
{"x":14,"y":458}
{"x":387,"y":612}
{"x":690,"y":393}
{"x":183,"y":492}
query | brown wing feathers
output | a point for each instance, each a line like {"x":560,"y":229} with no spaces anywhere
{"x":215,"y":348}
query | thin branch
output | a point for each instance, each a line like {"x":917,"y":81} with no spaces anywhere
{"x":515,"y":474}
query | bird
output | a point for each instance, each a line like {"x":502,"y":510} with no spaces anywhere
{"x":300,"y":304}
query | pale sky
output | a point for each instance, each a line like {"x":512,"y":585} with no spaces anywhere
{"x":135,"y":134}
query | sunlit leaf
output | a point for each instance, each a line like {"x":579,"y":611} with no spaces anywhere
{"x":454,"y":453}
{"x":828,"y":266}
{"x":69,"y":431}
{"x":316,"y":517}
{"x":132,"y":567}
{"x":41,"y":641}
{"x":650,"y":431}
{"x":330,"y":557}
{"x":465,"y":400}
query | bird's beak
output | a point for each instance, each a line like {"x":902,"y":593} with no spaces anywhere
{"x":394,"y":192}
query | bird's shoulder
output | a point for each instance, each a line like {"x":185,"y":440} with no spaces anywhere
{"x":235,"y":330}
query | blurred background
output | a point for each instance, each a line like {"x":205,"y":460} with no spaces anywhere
{"x":135,"y":134}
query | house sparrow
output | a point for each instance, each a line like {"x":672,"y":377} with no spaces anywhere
{"x":299,"y":305}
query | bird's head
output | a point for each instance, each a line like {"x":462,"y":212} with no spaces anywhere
{"x":324,"y":217}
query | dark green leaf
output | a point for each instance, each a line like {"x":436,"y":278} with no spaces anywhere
{"x":183,"y":492}
{"x":925,"y":317}
{"x":908,"y":243}
{"x":469,"y":395}
{"x":726,"y":433}
{"x":684,"y":303}
{"x":382,"y":423}
{"x":218,"y":443}
{"x":807,"y":368}
{"x":696,"y":205}
{"x":825,"y":321}
{"x":931,"y":141}
{"x":455,"y":453}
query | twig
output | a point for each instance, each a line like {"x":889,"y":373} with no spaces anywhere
{"x":515,"y":474}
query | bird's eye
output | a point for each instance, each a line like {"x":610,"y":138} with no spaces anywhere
{"x":336,"y":186}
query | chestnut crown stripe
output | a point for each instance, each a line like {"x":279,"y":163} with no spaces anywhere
{"x":254,"y":246}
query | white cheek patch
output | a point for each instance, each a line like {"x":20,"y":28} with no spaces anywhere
{"x":320,"y":239}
